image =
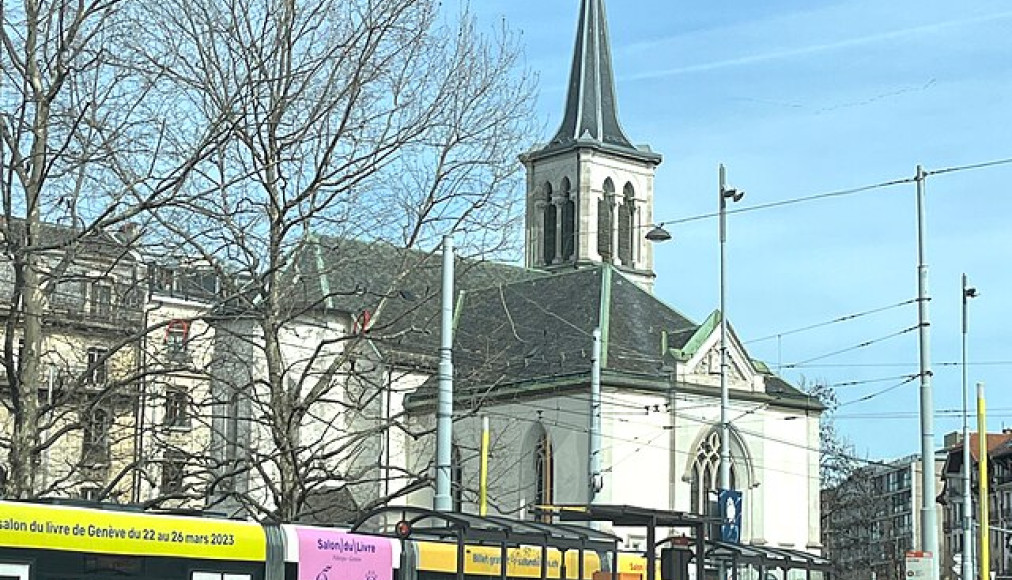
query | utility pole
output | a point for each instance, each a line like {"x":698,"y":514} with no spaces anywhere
{"x":443,"y":501}
{"x":595,"y":483}
{"x":967,"y":563}
{"x":929,"y":528}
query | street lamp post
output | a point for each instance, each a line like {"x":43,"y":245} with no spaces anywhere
{"x":967,"y":563}
{"x":723,"y":194}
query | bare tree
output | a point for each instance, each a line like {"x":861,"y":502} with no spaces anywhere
{"x":85,"y":157}
{"x":386,"y":121}
{"x":856,"y":529}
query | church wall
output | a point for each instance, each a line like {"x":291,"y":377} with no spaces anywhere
{"x":511,"y":460}
{"x":789,"y":480}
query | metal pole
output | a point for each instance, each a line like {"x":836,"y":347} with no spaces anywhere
{"x":967,"y":565}
{"x":985,"y":511}
{"x":725,"y":443}
{"x":929,"y":527}
{"x":444,"y":413}
{"x":594,"y":460}
{"x":483,"y":483}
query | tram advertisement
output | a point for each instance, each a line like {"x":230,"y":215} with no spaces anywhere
{"x":25,"y":525}
{"x":332,"y":555}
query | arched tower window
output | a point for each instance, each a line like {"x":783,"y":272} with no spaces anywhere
{"x":549,"y":230}
{"x":568,"y":220}
{"x":706,"y":477}
{"x":626,"y":229}
{"x":604,"y":221}
{"x":457,"y":478}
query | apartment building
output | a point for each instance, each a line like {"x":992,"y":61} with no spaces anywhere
{"x":999,"y":446}
{"x":93,"y":294}
{"x":873,"y":518}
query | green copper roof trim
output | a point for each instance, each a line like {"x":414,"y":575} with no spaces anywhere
{"x":605,"y":313}
{"x":705,"y":330}
{"x":320,"y":269}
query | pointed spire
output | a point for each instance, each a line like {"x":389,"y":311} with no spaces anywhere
{"x":591,"y":108}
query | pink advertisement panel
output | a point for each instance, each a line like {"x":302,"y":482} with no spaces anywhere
{"x":333,"y":555}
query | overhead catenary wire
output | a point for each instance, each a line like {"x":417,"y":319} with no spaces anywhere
{"x":841,"y":192}
{"x":840,"y":319}
{"x":861,"y":345}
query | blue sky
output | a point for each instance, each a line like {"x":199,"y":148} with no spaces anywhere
{"x":799,"y":98}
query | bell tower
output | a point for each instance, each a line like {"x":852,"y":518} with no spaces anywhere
{"x":590,"y":191}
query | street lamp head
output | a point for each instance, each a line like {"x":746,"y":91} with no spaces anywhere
{"x":733,"y":194}
{"x":658,"y":234}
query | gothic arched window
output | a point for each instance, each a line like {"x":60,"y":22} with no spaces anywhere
{"x":706,"y":476}
{"x":626,"y":229}
{"x":604,"y":225}
{"x":457,"y":478}
{"x":568,"y":220}
{"x":544,"y":469}
{"x":549,"y":223}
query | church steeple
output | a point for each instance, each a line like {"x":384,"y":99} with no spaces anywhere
{"x":591,"y":113}
{"x":591,"y":110}
{"x":590,"y":191}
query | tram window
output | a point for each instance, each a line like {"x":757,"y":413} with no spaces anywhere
{"x":219,"y":576}
{"x":14,"y":571}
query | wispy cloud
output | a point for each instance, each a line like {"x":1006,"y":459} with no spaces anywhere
{"x":815,"y":48}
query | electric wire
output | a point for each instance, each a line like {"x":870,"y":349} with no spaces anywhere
{"x":859,"y":346}
{"x":846,"y":318}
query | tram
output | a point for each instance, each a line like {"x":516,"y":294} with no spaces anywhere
{"x":60,"y":542}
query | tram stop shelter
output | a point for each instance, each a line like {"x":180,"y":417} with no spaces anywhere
{"x":504,"y":533}
{"x":638,"y":517}
{"x":763,"y":559}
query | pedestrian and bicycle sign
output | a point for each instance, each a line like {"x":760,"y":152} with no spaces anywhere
{"x":729,"y":502}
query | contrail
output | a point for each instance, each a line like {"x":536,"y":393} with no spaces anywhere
{"x":805,"y":50}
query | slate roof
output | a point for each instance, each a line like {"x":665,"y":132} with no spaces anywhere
{"x":400,"y":288}
{"x":515,"y":328}
{"x":95,"y":244}
{"x":537,"y":333}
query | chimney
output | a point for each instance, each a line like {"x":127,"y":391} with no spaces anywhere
{"x":952,"y":439}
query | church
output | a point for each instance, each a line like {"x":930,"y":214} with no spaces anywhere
{"x":524,"y":356}
{"x":523,"y":353}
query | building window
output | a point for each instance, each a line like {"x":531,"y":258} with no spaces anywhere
{"x":604,"y":221}
{"x":90,"y":492}
{"x":173,"y":471}
{"x":95,"y":444}
{"x":705,"y":481}
{"x":19,"y":354}
{"x":177,"y":407}
{"x":457,"y":479}
{"x":568,"y":221}
{"x":101,"y":298}
{"x":177,"y":334}
{"x":550,"y":226}
{"x":97,"y":371}
{"x":544,"y":471}
{"x":626,"y":229}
